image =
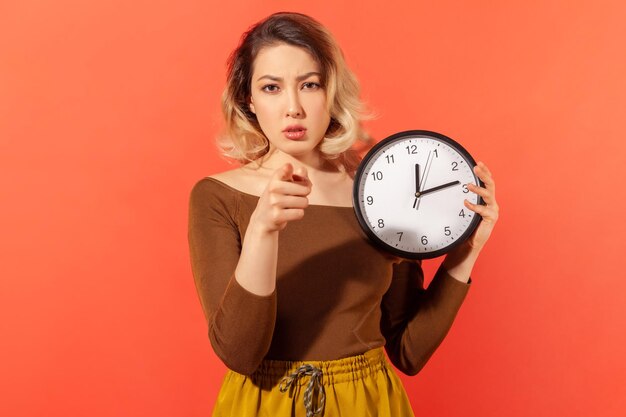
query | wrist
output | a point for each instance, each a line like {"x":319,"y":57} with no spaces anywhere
{"x":465,"y":250}
{"x":257,"y":230}
{"x":460,"y":261}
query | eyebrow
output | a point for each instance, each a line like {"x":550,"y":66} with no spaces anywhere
{"x":299,"y":78}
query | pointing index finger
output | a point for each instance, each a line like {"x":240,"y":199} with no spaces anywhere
{"x":300,"y":175}
{"x":285,"y":172}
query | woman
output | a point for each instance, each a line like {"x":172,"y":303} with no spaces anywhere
{"x":299,"y":304}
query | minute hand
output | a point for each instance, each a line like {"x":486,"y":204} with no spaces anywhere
{"x":437,"y":188}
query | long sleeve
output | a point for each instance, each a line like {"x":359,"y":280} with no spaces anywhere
{"x":240,"y":323}
{"x":416,"y":320}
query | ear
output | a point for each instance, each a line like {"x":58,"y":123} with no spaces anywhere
{"x":251,"y":106}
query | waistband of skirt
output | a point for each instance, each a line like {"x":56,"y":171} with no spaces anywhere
{"x":334,"y":371}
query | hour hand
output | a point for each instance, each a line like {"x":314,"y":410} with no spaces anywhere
{"x":437,"y":188}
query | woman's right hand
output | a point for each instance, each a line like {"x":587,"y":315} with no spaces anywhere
{"x":283,"y":200}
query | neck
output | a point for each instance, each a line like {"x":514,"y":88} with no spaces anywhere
{"x":312,"y":162}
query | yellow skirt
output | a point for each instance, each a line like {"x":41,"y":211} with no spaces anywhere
{"x":362,"y":385}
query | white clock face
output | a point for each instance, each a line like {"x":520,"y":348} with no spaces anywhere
{"x":410,"y":195}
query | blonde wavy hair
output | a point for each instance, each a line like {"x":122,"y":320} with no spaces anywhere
{"x":244,"y":140}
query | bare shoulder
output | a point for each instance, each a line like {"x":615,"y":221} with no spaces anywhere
{"x":231,"y":177}
{"x":243,"y":179}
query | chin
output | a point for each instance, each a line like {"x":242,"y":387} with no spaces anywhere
{"x":300,"y":143}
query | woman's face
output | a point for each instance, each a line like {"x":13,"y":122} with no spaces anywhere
{"x":288,"y":99}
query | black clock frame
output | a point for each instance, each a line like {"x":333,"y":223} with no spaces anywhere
{"x":356,"y":199}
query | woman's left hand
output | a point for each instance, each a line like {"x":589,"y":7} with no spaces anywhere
{"x":489,"y":212}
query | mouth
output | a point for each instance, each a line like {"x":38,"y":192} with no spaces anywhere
{"x":294,"y":132}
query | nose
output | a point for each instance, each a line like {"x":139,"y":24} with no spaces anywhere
{"x":294,"y":106}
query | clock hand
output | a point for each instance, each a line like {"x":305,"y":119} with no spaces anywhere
{"x":417,"y":183}
{"x":417,"y":179}
{"x":429,"y":163}
{"x":439,"y":187}
{"x":426,"y":169}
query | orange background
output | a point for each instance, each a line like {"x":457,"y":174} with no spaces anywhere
{"x":108,"y":112}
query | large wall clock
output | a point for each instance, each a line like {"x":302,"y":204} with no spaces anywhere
{"x":409,"y":191}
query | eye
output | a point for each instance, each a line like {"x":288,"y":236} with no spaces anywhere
{"x":270,"y":88}
{"x":310,"y":85}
